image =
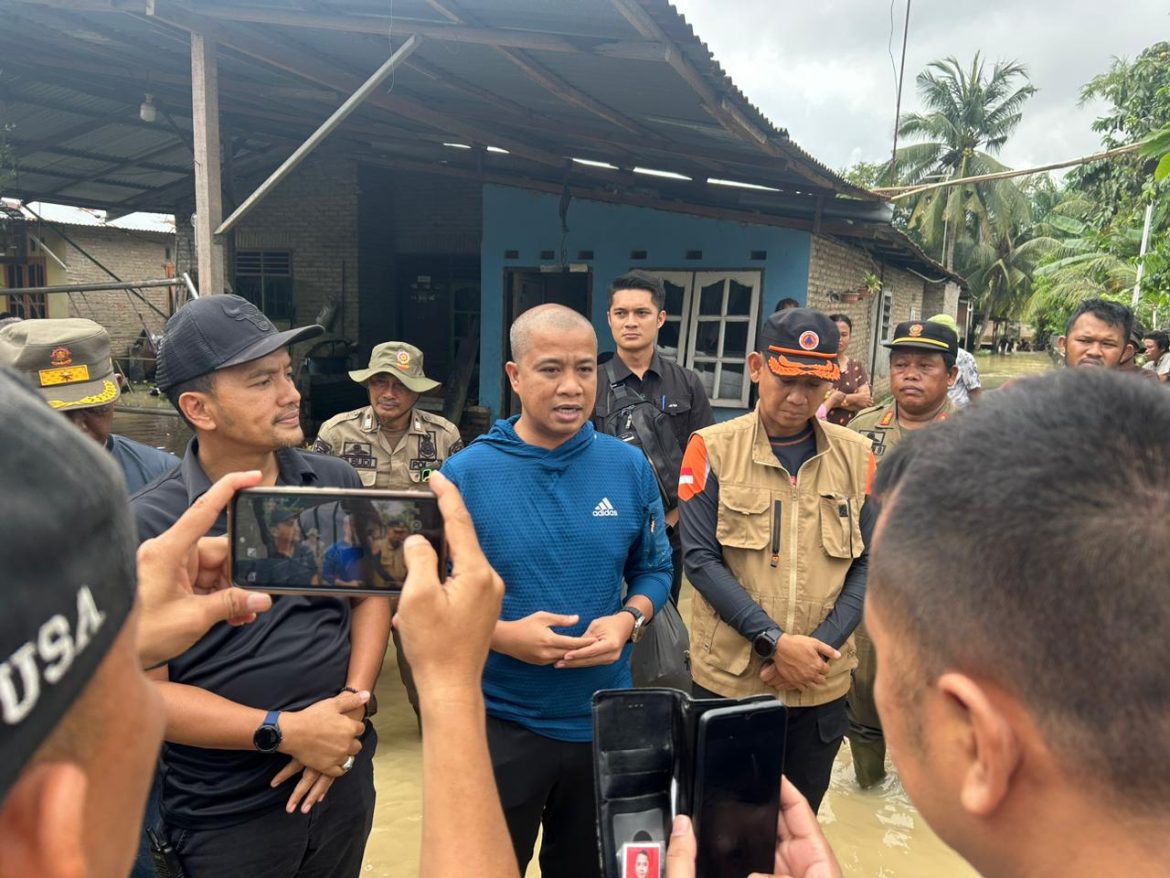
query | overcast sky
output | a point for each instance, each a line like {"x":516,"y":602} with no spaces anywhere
{"x":822,"y":69}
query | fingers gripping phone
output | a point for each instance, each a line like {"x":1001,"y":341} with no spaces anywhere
{"x":328,"y":541}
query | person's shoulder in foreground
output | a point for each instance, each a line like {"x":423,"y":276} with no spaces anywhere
{"x":995,"y":746}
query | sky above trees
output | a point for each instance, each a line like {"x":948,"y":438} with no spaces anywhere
{"x":823,"y":71}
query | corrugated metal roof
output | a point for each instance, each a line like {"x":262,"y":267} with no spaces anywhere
{"x":624,"y":81}
{"x":91,"y":218}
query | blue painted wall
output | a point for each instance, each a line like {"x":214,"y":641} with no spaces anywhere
{"x":528,"y":222}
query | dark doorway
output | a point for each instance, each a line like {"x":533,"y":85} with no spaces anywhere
{"x":526,"y":288}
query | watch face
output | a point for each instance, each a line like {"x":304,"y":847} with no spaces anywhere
{"x":266,"y":739}
{"x":639,"y":630}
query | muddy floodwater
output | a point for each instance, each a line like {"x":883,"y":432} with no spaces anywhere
{"x":876,"y":833}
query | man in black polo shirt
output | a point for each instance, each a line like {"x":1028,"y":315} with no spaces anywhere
{"x":257,"y":705}
{"x":637,"y":310}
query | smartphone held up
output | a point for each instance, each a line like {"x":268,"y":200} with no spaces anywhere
{"x":328,"y":541}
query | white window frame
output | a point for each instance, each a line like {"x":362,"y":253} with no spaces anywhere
{"x":692,"y":282}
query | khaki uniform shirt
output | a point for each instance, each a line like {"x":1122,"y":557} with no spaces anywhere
{"x":357,"y":438}
{"x":879,"y":424}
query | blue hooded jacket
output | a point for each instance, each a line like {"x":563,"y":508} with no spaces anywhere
{"x":563,"y":528}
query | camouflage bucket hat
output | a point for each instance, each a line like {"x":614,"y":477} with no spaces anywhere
{"x":403,"y":361}
{"x":68,"y":360}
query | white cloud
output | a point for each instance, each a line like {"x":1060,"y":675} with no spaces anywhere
{"x":822,"y":70}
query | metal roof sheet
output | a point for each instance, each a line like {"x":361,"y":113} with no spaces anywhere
{"x":624,"y":81}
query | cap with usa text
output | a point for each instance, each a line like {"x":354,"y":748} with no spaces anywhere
{"x":69,"y":571}
{"x":801,"y":342}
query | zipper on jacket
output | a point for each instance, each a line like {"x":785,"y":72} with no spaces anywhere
{"x":776,"y":511}
{"x":847,"y":513}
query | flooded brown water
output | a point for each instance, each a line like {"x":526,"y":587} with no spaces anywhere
{"x":876,"y":833}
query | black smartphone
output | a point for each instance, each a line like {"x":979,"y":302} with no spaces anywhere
{"x":738,"y":764}
{"x":335,"y":541}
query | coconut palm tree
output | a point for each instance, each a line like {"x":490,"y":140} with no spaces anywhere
{"x":968,"y":117}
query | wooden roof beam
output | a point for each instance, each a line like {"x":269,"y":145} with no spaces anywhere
{"x":258,"y":46}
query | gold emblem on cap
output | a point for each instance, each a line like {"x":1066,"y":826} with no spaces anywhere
{"x":403,"y":360}
{"x":61,"y":356}
{"x":916,"y":330}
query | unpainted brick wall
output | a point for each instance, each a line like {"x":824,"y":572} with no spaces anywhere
{"x":131,"y":256}
{"x":313,"y":215}
{"x":836,"y":267}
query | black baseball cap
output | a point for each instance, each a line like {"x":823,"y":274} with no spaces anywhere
{"x":215,"y":332}
{"x":801,"y":341}
{"x":69,"y":570}
{"x":925,"y":335}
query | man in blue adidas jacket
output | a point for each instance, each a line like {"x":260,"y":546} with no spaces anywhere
{"x":564,"y":514}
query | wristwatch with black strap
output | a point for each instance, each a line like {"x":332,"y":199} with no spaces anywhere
{"x":764,"y":643}
{"x":639,"y":622}
{"x":267,"y":737}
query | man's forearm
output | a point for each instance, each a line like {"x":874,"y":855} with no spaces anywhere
{"x":200,"y":718}
{"x":463,"y":823}
{"x":368,"y":638}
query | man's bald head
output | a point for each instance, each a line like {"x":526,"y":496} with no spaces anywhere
{"x":556,"y":318}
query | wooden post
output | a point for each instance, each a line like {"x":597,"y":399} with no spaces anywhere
{"x":208,"y":188}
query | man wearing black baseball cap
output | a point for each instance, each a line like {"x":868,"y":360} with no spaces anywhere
{"x":250,"y":707}
{"x":922,"y":369}
{"x":775,"y":532}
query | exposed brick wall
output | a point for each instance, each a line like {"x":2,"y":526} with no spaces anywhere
{"x":131,"y":256}
{"x":836,"y":267}
{"x":313,"y":215}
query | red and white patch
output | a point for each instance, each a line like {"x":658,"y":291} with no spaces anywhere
{"x":692,"y":477}
{"x":809,"y":340}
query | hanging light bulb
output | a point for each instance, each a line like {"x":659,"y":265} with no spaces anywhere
{"x":146,"y":111}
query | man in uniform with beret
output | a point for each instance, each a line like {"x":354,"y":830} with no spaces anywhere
{"x":392,"y":443}
{"x":68,"y":361}
{"x":922,"y":370}
{"x":775,"y":531}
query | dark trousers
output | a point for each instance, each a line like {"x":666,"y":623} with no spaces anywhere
{"x":406,"y":675}
{"x":549,"y":784}
{"x":813,"y":738}
{"x":866,"y":739}
{"x":328,"y":842}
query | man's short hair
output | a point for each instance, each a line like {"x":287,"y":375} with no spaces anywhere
{"x":1109,"y":313}
{"x":1007,"y":552}
{"x":198,"y":384}
{"x":786,"y":303}
{"x":1160,"y":338}
{"x":546,"y":316}
{"x":640,"y":280}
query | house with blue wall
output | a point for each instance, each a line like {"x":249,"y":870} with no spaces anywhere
{"x":520,"y":153}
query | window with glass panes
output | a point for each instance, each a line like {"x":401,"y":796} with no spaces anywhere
{"x":710,"y":317}
{"x":264,"y":278}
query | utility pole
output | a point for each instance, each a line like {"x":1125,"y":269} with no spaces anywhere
{"x":1137,"y":287}
{"x":898,"y":100}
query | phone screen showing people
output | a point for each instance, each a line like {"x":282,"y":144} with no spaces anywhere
{"x":642,"y":860}
{"x":323,"y":541}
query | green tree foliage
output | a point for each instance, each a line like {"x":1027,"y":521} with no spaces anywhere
{"x":1100,"y":221}
{"x":970,"y":113}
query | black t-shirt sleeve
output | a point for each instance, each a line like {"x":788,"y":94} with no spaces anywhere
{"x":846,"y":613}
{"x":702,"y":554}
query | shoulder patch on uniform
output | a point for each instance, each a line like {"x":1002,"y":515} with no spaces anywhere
{"x":692,"y":477}
{"x":322,"y":447}
{"x":455,"y":447}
